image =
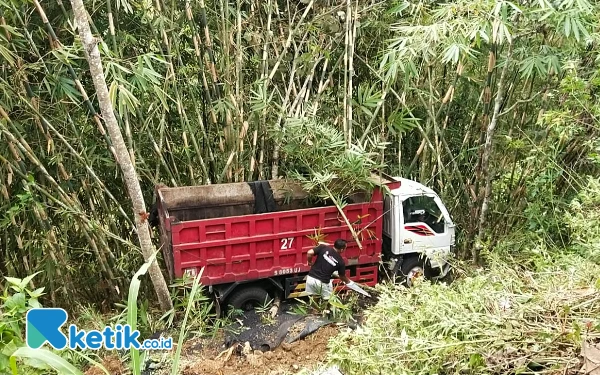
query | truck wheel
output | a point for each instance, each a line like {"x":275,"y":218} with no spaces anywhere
{"x":412,"y":267}
{"x":449,"y":278}
{"x":247,"y":299}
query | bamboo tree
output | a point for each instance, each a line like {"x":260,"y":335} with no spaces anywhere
{"x":129,"y":174}
{"x":487,"y":151}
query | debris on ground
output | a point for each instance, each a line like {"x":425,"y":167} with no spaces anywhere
{"x":333,"y":370}
{"x":591,"y":359}
{"x":311,"y":325}
{"x":502,"y":321}
{"x":260,"y":335}
{"x":287,"y":358}
{"x":112,"y":364}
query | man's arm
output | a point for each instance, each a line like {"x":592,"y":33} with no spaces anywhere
{"x":342,"y":274}
{"x":309,"y":256}
{"x":312,"y":252}
{"x":346,"y":280}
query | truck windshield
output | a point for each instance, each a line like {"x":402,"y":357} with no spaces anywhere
{"x":423,"y":209}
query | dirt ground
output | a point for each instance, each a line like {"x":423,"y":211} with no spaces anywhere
{"x":112,"y":364}
{"x":205,"y":356}
{"x":207,"y":359}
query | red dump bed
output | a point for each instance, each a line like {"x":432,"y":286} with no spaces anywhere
{"x":252,"y":246}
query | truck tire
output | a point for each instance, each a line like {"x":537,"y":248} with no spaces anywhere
{"x":248,"y":298}
{"x":412,"y":266}
{"x":449,"y":278}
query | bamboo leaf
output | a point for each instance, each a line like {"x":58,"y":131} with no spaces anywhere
{"x":28,"y":279}
{"x":13,"y":280}
{"x":506,"y":33}
{"x":112,"y":92}
{"x":7,"y":55}
{"x":545,"y":4}
{"x":513,"y":6}
{"x":451,"y":54}
{"x":132,"y":308}
{"x":567,"y":26}
{"x":575,"y":28}
{"x":582,"y":29}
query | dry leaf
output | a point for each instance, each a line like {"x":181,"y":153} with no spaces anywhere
{"x":591,"y":358}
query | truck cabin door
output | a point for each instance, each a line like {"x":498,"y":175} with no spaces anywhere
{"x":426,"y":225}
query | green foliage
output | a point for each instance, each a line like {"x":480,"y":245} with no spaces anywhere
{"x":194,"y":119}
{"x":489,"y":322}
{"x":316,"y":154}
{"x":583,"y":220}
{"x":17,"y":299}
{"x":552,"y":162}
{"x":182,"y":333}
{"x":132,"y":309}
{"x":344,"y":307}
{"x":45,"y":359}
{"x":341,"y":307}
{"x":202,"y":320}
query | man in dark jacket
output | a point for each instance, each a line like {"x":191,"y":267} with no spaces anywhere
{"x":328,"y":260}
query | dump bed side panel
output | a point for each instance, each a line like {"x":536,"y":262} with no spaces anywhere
{"x":265,"y":245}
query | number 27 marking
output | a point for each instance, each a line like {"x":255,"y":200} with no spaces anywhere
{"x":286,"y":243}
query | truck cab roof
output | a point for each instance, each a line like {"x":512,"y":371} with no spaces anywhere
{"x":407,"y":187}
{"x":410,"y":187}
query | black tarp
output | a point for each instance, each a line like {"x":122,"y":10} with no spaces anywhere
{"x":263,"y":197}
{"x":260,"y":335}
{"x":312,"y":325}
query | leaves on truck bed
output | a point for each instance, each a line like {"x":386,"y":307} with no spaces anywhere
{"x":316,"y":154}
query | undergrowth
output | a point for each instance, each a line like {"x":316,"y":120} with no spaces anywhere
{"x":504,"y":319}
{"x":191,"y":315}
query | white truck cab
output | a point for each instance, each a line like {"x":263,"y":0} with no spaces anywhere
{"x":419,"y":233}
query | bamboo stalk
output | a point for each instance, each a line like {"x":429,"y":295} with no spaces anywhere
{"x":341,"y":211}
{"x":211,"y":156}
{"x":486,"y":158}
{"x":82,"y":159}
{"x":351,"y":41}
{"x":323,"y":85}
{"x":208,"y":46}
{"x":288,"y":43}
{"x":347,"y":36}
{"x":238,"y":72}
{"x":199,"y":57}
{"x":111,"y":27}
{"x":129,"y":174}
{"x":158,"y":150}
{"x":285,"y":111}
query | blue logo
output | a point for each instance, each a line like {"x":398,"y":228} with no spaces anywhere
{"x":43,"y":326}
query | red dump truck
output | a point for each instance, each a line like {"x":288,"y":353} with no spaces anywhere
{"x":252,"y":238}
